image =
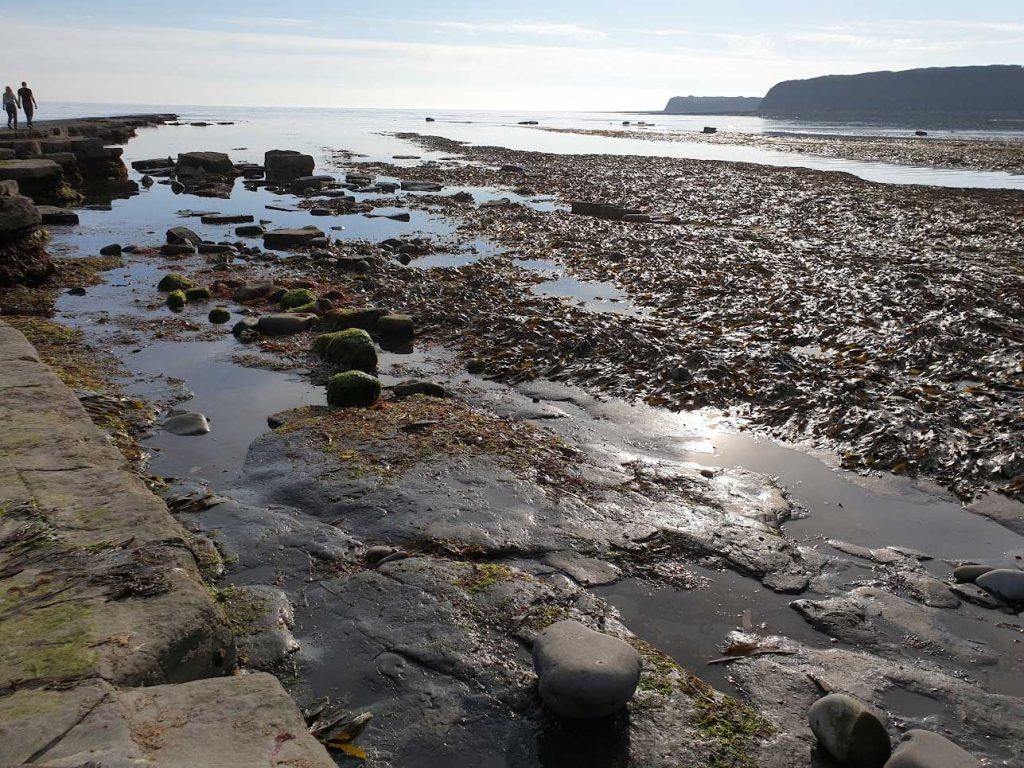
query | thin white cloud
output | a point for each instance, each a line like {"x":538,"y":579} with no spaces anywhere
{"x":510,"y":28}
{"x":280,"y":23}
{"x":530,"y":28}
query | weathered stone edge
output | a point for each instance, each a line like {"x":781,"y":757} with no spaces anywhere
{"x":100,"y":593}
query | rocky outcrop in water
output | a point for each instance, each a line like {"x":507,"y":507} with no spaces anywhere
{"x":23,"y":257}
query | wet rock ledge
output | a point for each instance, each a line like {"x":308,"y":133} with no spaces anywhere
{"x":113,"y":651}
{"x":58,"y":160}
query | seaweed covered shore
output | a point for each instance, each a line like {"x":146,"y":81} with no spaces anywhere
{"x":882,"y":321}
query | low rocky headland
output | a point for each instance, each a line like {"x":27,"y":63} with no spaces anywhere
{"x":484,"y":444}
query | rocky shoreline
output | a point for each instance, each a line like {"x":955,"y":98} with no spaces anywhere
{"x":432,"y":559}
{"x":974,"y":154}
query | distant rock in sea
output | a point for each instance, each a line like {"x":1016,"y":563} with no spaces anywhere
{"x":956,"y":93}
{"x":712,"y":105}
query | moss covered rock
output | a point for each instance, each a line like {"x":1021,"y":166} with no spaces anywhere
{"x":219,"y":315}
{"x":198,"y":294}
{"x":350,"y":317}
{"x":350,"y":349}
{"x":172,"y":281}
{"x":176,"y":299}
{"x":352,"y":389}
{"x":297,"y":297}
{"x":396,"y":327}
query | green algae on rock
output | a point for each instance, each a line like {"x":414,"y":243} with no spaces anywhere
{"x":173,"y":281}
{"x":297,"y":297}
{"x":198,"y":294}
{"x":352,"y":389}
{"x":350,"y":317}
{"x":219,"y":315}
{"x":176,"y":299}
{"x":352,"y":349}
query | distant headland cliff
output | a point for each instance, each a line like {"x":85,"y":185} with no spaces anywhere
{"x":959,"y":93}
{"x":712,"y":105}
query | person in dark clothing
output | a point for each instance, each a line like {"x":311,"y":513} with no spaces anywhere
{"x":28,"y":102}
{"x":11,"y":108}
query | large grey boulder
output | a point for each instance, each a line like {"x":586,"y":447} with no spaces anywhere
{"x":849,"y":732}
{"x":924,"y":749}
{"x":294,"y":237}
{"x":18,"y":217}
{"x":182,"y":236}
{"x":1004,"y":583}
{"x":287,"y":164}
{"x":213,"y":163}
{"x":583,"y":674}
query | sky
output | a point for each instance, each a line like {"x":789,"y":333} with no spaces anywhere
{"x":462,"y":54}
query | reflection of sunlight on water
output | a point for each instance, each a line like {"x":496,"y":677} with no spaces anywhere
{"x":368,"y":132}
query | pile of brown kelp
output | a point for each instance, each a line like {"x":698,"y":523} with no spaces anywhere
{"x":885,"y":321}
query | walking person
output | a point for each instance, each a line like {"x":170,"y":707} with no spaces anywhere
{"x":28,"y":102}
{"x":11,"y":107}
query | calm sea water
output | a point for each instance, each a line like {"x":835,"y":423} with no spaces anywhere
{"x":366,"y":131}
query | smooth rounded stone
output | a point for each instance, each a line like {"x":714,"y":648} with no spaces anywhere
{"x":250,"y":230}
{"x":187,"y":425}
{"x":924,"y":749}
{"x":177,"y":300}
{"x":968,"y":574}
{"x":173,"y":281}
{"x":114,"y":249}
{"x":219,"y":315}
{"x":284,"y":324}
{"x":51,"y":214}
{"x":850,"y":732}
{"x":18,"y":216}
{"x":297,"y":297}
{"x":396,"y":327}
{"x":587,"y":571}
{"x":352,"y":348}
{"x":412,"y":387}
{"x":252,"y":292}
{"x":1004,"y":583}
{"x":583,"y":674}
{"x":182,"y":236}
{"x":216,"y":163}
{"x":352,"y":389}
